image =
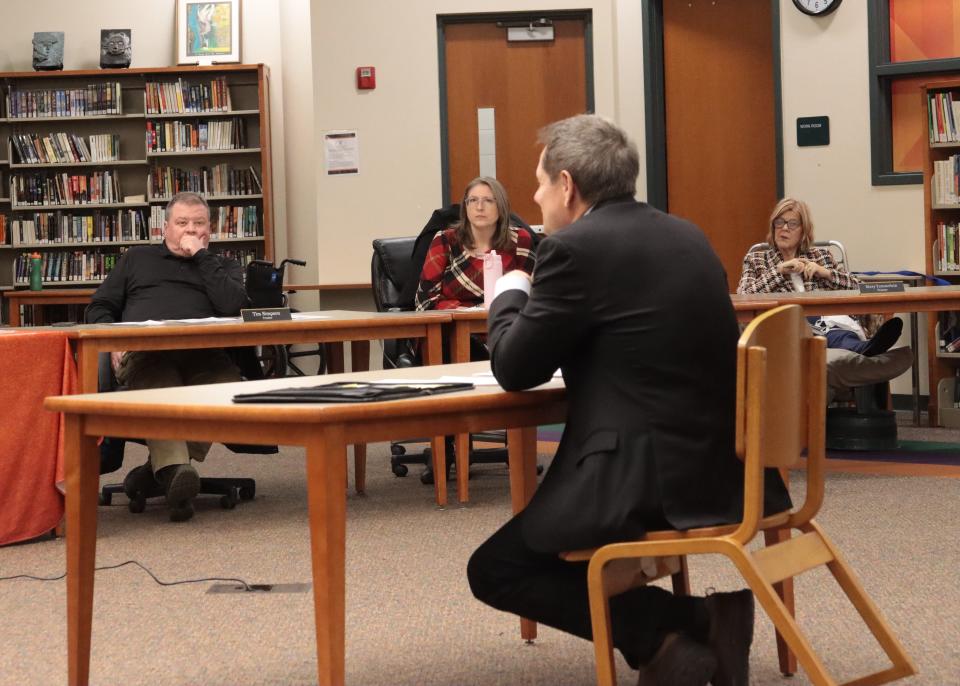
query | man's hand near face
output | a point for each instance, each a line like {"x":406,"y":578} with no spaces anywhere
{"x":190,"y":244}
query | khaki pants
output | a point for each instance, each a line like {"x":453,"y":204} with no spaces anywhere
{"x":166,"y":368}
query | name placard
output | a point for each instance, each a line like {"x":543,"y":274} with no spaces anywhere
{"x":266,"y":314}
{"x":813,"y":131}
{"x":882,"y":287}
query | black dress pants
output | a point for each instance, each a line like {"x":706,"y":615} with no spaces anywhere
{"x":505,"y":573}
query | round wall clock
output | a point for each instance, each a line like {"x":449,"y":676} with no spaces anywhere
{"x":817,"y":8}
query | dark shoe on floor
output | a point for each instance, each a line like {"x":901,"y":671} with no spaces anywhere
{"x":680,"y":661}
{"x":731,"y":633}
{"x":140,"y":481}
{"x":885,"y":338}
{"x":181,"y":483}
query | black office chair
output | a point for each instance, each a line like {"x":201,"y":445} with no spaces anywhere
{"x":392,"y":270}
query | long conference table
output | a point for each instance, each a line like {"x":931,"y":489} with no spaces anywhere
{"x":207,"y":413}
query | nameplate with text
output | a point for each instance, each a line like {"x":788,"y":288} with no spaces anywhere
{"x":882,"y":287}
{"x":266,"y":314}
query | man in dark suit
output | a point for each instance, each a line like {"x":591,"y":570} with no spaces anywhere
{"x":632,"y":305}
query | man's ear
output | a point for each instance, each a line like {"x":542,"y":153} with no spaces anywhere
{"x":569,"y":188}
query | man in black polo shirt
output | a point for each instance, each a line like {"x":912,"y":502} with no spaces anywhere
{"x":176,"y":279}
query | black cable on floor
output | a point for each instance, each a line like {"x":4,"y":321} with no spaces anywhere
{"x":245,"y":585}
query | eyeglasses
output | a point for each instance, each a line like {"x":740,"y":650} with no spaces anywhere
{"x":474,"y":201}
{"x":779,"y":223}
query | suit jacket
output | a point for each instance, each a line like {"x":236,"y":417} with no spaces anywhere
{"x":649,"y":434}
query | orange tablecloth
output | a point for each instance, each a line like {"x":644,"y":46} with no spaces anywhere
{"x":33,"y":365}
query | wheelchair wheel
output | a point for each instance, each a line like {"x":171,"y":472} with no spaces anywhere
{"x":273,"y":360}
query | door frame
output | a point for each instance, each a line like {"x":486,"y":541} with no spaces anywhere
{"x":655,"y":108}
{"x":443,"y":20}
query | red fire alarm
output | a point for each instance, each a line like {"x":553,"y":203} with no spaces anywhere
{"x":366,"y":78}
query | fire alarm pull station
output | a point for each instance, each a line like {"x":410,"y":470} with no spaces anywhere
{"x":366,"y":78}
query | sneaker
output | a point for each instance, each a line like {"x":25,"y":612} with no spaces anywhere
{"x":180,"y":483}
{"x":730,"y":636}
{"x":885,"y":338}
{"x":680,"y":661}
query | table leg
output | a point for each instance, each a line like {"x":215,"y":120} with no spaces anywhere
{"x":915,"y":369}
{"x":788,"y":661}
{"x":82,"y":476}
{"x":433,"y":345}
{"x":87,"y":363}
{"x":433,"y":354}
{"x":522,"y":452}
{"x":462,"y":447}
{"x":461,"y":353}
{"x":360,"y":362}
{"x":334,"y":355}
{"x":326,"y":463}
{"x":13,"y":312}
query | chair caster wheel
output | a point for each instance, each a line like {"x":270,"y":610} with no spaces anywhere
{"x":426,"y":477}
{"x":397,"y":450}
{"x":105,"y":499}
{"x":229,"y":501}
{"x":400,"y":470}
{"x":247,"y":492}
{"x":137,"y":504}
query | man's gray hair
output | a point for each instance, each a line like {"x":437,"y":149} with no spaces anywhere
{"x":602,"y":160}
{"x":185,"y":198}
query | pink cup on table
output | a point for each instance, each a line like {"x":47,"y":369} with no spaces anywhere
{"x":492,"y":270}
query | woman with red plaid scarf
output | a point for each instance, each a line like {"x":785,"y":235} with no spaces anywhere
{"x":452,"y":274}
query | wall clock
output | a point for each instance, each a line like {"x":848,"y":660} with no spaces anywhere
{"x":817,"y":8}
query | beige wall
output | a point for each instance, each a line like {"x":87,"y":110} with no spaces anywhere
{"x":825,"y":72}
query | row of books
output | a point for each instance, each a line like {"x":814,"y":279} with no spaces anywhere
{"x":180,"y":136}
{"x":32,"y":148}
{"x":44,"y":188}
{"x":947,"y":247}
{"x":66,"y":227}
{"x":92,"y":265}
{"x":226,"y":222}
{"x":64,"y":266}
{"x":220,"y":179}
{"x":944,"y":117}
{"x":94,"y":99}
{"x":179,"y":97}
{"x":945,"y":182}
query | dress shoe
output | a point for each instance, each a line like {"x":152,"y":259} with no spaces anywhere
{"x":140,"y":481}
{"x":680,"y":661}
{"x":180,"y":483}
{"x":730,"y":636}
{"x":885,"y":338}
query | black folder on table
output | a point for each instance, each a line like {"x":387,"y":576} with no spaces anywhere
{"x":350,"y":392}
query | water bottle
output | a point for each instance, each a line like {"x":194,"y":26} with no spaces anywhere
{"x":36,"y":272}
{"x":492,"y":270}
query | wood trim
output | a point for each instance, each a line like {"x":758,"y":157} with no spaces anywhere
{"x":100,"y":73}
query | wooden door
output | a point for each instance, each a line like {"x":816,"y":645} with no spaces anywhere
{"x":528,"y":84}
{"x":720,"y":121}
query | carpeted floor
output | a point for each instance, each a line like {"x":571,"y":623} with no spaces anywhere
{"x":410,"y":617}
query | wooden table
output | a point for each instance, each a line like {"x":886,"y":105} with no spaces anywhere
{"x":58,"y":296}
{"x":206,"y":413}
{"x":338,"y":325}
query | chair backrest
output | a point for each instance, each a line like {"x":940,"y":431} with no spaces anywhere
{"x":391,"y":272}
{"x":835,"y":247}
{"x":781,"y":401}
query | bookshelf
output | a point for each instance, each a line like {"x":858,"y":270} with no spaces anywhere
{"x":89,"y":158}
{"x":941,"y":213}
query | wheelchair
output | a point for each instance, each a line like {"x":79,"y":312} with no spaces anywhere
{"x":264,"y":284}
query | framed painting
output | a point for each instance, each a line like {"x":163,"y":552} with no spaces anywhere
{"x":208,"y":32}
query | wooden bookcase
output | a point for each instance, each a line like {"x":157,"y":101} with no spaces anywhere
{"x":51,"y":188}
{"x":941,"y":210}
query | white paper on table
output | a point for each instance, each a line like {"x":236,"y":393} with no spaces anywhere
{"x":308,"y":315}
{"x":475,"y":380}
{"x":148,"y":322}
{"x":200,"y":320}
{"x":556,"y":375}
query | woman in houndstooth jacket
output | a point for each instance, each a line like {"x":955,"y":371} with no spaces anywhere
{"x":794,"y":264}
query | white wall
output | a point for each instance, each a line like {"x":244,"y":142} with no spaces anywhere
{"x":825,"y":72}
{"x":398,"y":124}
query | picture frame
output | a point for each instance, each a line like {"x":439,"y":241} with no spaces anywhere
{"x":208,"y":32}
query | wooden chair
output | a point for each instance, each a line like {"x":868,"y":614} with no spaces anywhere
{"x":781,"y":385}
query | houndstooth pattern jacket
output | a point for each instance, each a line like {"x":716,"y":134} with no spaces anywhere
{"x":760,"y":273}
